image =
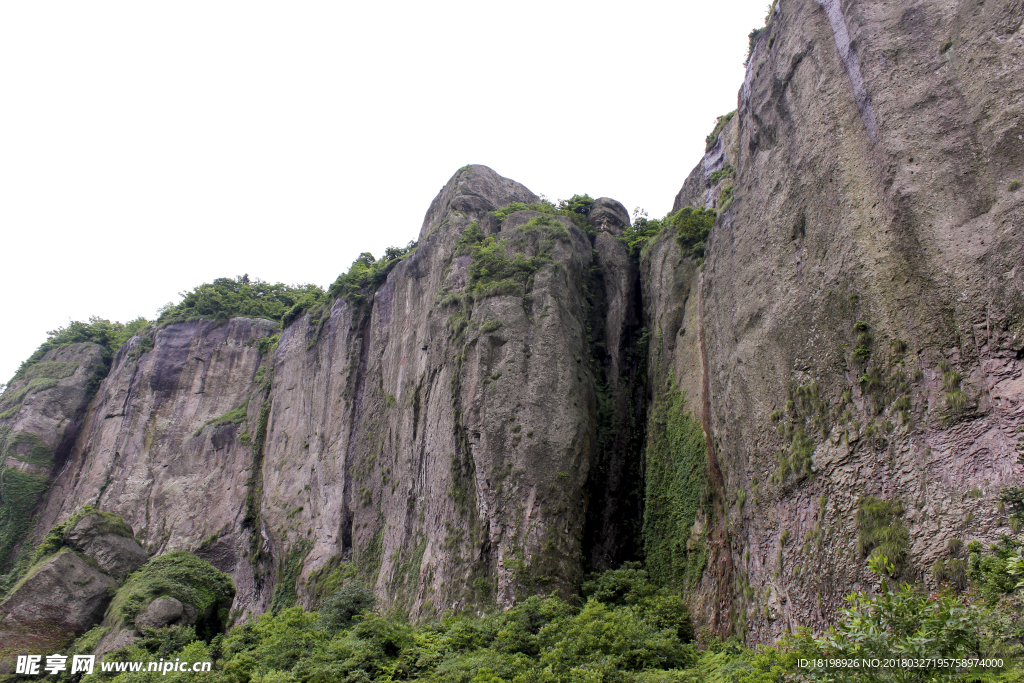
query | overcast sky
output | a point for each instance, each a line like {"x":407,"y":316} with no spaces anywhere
{"x":146,"y":148}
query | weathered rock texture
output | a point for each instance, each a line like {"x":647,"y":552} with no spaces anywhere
{"x":474,"y":429}
{"x":40,"y":416}
{"x":439,"y":437}
{"x":151,"y":451}
{"x":60,"y":600}
{"x":874,"y":149}
{"x":65,"y":594}
{"x":111,"y":544}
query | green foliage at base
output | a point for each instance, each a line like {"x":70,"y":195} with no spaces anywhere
{"x":676,"y":478}
{"x":340,"y":609}
{"x":227,"y":298}
{"x":182,"y":576}
{"x":620,"y":629}
{"x":285,"y":594}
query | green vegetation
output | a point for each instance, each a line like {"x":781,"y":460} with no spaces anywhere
{"x":756,"y":33}
{"x":1012,"y":498}
{"x":692,"y":229}
{"x":955,"y":399}
{"x":229,"y":418}
{"x":1014,"y":185}
{"x":691,"y":226}
{"x":19,"y":492}
{"x":99,"y":331}
{"x":227,"y":298}
{"x":285,"y":593}
{"x":622,"y":628}
{"x":641,"y":231}
{"x":727,"y":171}
{"x":367,"y":274}
{"x":494,"y":271}
{"x":676,"y":482}
{"x":346,"y":603}
{"x":725,"y":199}
{"x":575,"y":209}
{"x":182,"y":576}
{"x":720,"y":122}
{"x":880,"y":531}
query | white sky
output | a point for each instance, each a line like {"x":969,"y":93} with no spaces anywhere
{"x":146,"y":148}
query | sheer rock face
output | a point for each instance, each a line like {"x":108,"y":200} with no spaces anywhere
{"x":40,"y":417}
{"x":439,"y":438}
{"x":856,"y":329}
{"x":147,"y":452}
{"x":873,"y":148}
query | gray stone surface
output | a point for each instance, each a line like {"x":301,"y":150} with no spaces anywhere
{"x":58,"y":601}
{"x":116,"y":554}
{"x":159,"y":613}
{"x":43,"y":413}
{"x":609,"y":215}
{"x":872,"y":170}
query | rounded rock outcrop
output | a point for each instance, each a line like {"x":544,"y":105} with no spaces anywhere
{"x":609,"y":215}
{"x":159,"y":613}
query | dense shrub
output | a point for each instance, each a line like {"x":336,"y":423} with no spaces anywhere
{"x":626,"y":630}
{"x":692,"y":229}
{"x":227,"y":298}
{"x":182,"y":576}
{"x":109,"y":335}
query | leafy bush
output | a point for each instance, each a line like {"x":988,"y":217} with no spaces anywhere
{"x":904,"y":622}
{"x":626,"y":631}
{"x":692,"y":229}
{"x":575,"y":209}
{"x":99,"y":331}
{"x":720,"y":122}
{"x":636,"y":236}
{"x":492,"y":272}
{"x":880,"y":531}
{"x":341,"y":608}
{"x":182,"y":576}
{"x":227,"y":298}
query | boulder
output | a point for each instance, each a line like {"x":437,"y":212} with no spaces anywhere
{"x":609,"y":215}
{"x":58,"y":601}
{"x":161,"y":612}
{"x":109,"y":540}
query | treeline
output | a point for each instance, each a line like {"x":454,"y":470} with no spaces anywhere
{"x":621,"y":628}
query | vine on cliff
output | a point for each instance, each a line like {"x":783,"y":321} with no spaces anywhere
{"x":676,"y":482}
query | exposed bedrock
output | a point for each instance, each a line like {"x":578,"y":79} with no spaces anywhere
{"x":863,"y":304}
{"x":438,"y":438}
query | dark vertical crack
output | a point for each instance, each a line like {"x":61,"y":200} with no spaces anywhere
{"x":350,"y":450}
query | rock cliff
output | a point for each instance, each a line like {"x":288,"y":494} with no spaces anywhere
{"x":527,"y":395}
{"x":436,"y":438}
{"x":862,"y":299}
